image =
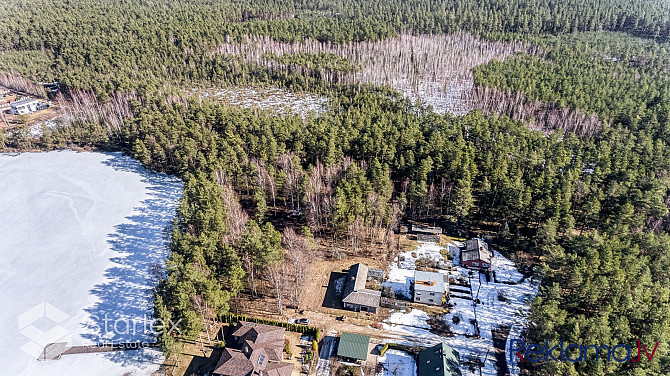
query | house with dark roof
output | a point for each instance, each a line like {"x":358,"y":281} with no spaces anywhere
{"x":254,"y":349}
{"x":426,"y":233}
{"x":476,"y":255}
{"x":429,"y":288}
{"x":439,"y":360}
{"x":353,"y":348}
{"x":355,"y":296}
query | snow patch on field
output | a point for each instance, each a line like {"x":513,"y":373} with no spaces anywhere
{"x":505,"y":269}
{"x":82,"y":233}
{"x":415,"y":318}
{"x":397,"y":363}
{"x":273,"y":99}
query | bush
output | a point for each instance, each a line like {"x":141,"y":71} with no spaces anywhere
{"x":291,"y":327}
{"x":383,"y":349}
{"x":287,"y":349}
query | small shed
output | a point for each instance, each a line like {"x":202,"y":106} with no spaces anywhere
{"x":353,"y":347}
{"x":377,"y":274}
{"x":427,"y":233}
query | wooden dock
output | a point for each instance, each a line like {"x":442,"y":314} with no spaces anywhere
{"x":55,"y":351}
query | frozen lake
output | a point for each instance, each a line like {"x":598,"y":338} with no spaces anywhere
{"x":81,"y":238}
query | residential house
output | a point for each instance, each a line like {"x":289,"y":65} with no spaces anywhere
{"x":429,"y":288}
{"x":254,"y":349}
{"x":427,"y":234}
{"x":353,"y":348}
{"x":355,"y":296}
{"x":476,"y":255}
{"x":439,"y":360}
{"x":24,"y":106}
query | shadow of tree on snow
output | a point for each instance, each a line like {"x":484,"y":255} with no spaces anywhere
{"x":124,"y":309}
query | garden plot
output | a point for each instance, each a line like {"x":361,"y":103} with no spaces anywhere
{"x":271,"y":99}
{"x":501,"y":304}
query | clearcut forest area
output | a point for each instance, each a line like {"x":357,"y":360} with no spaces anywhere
{"x":236,"y":164}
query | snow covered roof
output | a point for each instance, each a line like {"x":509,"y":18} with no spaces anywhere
{"x":429,"y":281}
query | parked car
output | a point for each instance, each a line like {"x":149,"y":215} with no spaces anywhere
{"x":302,"y":321}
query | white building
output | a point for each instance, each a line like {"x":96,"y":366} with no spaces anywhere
{"x":429,"y":288}
{"x":24,"y":106}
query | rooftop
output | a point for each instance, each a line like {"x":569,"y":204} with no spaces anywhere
{"x":364,"y":297}
{"x":429,"y":281}
{"x":439,"y":360}
{"x":476,"y":249}
{"x":353,"y":346}
{"x":426,"y":229}
{"x":23,"y":102}
{"x":358,"y":275}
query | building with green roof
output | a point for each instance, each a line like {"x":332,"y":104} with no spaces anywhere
{"x":439,"y":360}
{"x":353,"y":347}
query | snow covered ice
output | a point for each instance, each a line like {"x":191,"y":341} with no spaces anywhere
{"x":80,"y":236}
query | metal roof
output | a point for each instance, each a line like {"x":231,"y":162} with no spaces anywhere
{"x":358,"y":275}
{"x":426,"y":229}
{"x":439,"y":360}
{"x":365,"y":297}
{"x":476,"y":249}
{"x":429,"y":281}
{"x":353,"y":346}
{"x":23,"y":101}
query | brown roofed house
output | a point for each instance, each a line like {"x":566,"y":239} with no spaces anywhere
{"x":476,"y":255}
{"x":355,"y":296}
{"x":256,"y":349}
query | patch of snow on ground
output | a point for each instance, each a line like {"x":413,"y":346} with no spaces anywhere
{"x":397,"y":363}
{"x":81,"y":234}
{"x":274,"y":99}
{"x":416,"y":318}
{"x":401,"y":272}
{"x":400,"y":280}
{"x":505,"y":270}
{"x":339,"y":285}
